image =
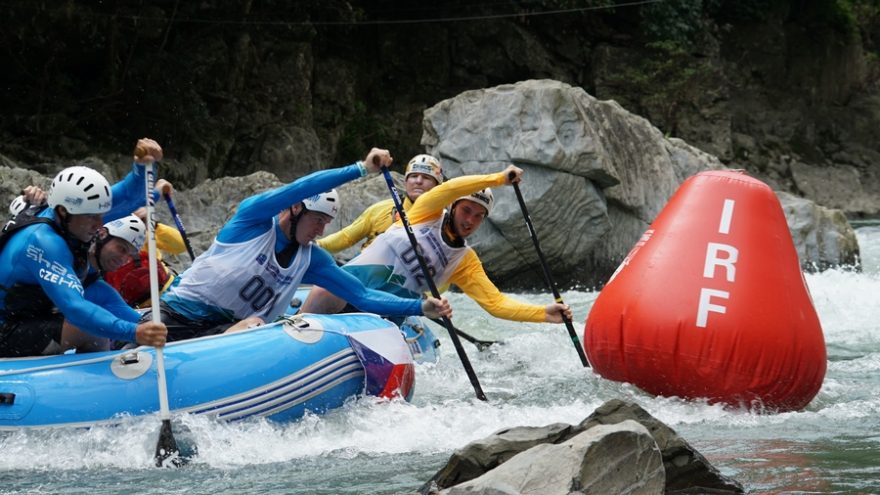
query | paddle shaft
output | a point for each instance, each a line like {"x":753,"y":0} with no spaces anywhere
{"x":166,"y":447}
{"x":456,"y":342}
{"x":179,"y":224}
{"x":547,"y":277}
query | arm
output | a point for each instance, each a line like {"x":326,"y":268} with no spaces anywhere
{"x":471,"y":278}
{"x":372,"y":222}
{"x":324,"y":272}
{"x":350,"y":235}
{"x":432,"y":203}
{"x":128,"y":194}
{"x":104,"y":295}
{"x":256,"y":212}
{"x":61,"y":285}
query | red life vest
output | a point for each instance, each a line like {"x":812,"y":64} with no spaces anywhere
{"x":132,"y":280}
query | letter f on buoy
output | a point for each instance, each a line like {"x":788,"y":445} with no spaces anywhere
{"x":706,"y":304}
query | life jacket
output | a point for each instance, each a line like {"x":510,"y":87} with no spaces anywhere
{"x":22,"y":220}
{"x":132,"y":281}
{"x":29,"y":300}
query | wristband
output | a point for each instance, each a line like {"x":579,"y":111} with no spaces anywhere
{"x":361,"y":168}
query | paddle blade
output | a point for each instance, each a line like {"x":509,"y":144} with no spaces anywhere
{"x":167,"y":453}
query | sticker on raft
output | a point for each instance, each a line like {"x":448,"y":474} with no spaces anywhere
{"x":389,"y":367}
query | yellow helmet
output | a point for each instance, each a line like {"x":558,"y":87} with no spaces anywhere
{"x":425,"y":164}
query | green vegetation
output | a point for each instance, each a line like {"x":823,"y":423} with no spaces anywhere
{"x":677,"y":21}
{"x":664,"y":79}
{"x":361,"y":132}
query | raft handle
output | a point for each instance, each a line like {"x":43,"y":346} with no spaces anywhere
{"x":7,"y":398}
{"x":129,"y":358}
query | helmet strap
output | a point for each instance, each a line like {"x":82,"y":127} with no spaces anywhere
{"x":285,"y":256}
{"x":79,"y":248}
{"x":99,"y":244}
{"x":450,"y":236}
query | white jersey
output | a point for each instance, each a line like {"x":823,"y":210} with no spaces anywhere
{"x":244,"y":278}
{"x":389,"y":263}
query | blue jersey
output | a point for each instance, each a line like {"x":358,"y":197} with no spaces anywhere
{"x":37,"y":256}
{"x":254,"y":218}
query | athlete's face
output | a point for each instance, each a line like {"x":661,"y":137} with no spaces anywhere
{"x":115,"y":253}
{"x":418,"y":184}
{"x":467,"y":217}
{"x":311,"y":226}
{"x":84,"y":226}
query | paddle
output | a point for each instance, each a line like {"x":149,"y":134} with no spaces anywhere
{"x":430,"y":281}
{"x":547,"y":277}
{"x":166,"y":448}
{"x":482,"y":345}
{"x":179,"y":224}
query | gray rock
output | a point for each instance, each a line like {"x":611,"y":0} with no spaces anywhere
{"x":823,"y":237}
{"x":12,"y":181}
{"x":686,"y":470}
{"x":481,"y":456}
{"x":595,"y":177}
{"x":842,"y":187}
{"x":621,"y":459}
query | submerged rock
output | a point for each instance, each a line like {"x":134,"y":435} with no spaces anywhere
{"x":627,"y":463}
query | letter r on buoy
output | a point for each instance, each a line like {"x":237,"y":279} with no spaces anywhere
{"x":706,"y":305}
{"x":713,"y":260}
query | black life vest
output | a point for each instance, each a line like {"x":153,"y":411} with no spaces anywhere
{"x":29,"y":300}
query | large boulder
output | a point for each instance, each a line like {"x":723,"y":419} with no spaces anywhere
{"x":823,"y":236}
{"x":620,"y":459}
{"x":586,"y":162}
{"x":687,"y":471}
{"x":484,"y":465}
{"x":595,"y":176}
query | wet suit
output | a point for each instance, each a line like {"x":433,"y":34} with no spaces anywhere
{"x":252,"y":269}
{"x":389,"y":265}
{"x":372,"y":222}
{"x":44,"y":279}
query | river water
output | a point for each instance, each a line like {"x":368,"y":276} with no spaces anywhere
{"x":532,"y":378}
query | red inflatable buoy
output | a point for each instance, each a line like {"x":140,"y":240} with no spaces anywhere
{"x":711,"y":303}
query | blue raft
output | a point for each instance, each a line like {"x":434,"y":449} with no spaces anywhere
{"x":277,"y":371}
{"x":421,"y":340}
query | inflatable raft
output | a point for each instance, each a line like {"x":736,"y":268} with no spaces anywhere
{"x":277,"y":371}
{"x":421,"y":340}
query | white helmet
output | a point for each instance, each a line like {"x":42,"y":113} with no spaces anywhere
{"x":482,"y":197}
{"x":80,"y":190}
{"x":326,"y":202}
{"x":18,"y":205}
{"x":425,"y":164}
{"x":129,"y":228}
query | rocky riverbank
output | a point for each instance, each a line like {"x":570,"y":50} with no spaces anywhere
{"x":596,"y":176}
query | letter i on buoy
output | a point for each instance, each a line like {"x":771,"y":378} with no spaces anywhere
{"x":711,"y":303}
